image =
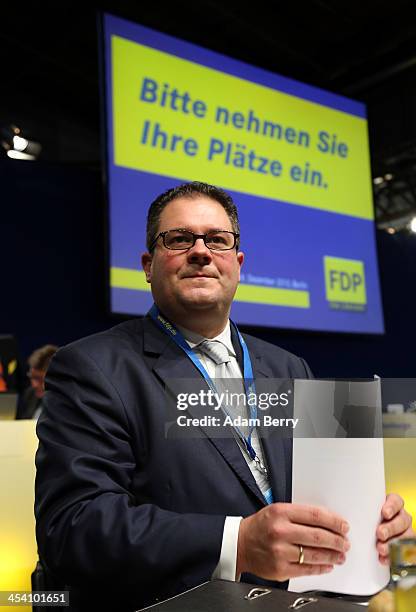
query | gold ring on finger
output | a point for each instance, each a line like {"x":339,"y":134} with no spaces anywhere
{"x":301,"y":555}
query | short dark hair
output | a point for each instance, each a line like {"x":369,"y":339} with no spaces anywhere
{"x":189,"y":190}
{"x":40,"y":358}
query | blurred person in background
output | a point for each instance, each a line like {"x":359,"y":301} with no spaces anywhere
{"x":30,"y":402}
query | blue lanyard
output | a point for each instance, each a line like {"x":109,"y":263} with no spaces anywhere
{"x":249,"y":384}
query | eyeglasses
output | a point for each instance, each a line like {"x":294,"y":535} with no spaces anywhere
{"x":182,"y":240}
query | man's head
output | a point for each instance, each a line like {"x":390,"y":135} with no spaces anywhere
{"x":197,"y":281}
{"x":38,"y":364}
{"x":190,"y":191}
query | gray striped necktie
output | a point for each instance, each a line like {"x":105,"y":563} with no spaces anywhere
{"x":225,"y":379}
{"x":218,"y":352}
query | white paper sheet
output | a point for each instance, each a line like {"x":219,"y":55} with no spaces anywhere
{"x":345,"y":475}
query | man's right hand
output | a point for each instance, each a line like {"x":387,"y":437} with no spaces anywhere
{"x":269,"y":541}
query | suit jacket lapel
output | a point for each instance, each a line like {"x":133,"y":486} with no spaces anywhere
{"x":277,"y":451}
{"x":172,"y":366}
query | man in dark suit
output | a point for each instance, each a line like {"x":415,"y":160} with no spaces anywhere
{"x":127,"y":515}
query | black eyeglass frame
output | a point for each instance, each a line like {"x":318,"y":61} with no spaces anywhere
{"x":195,"y":238}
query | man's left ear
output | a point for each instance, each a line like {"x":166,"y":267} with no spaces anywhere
{"x":240,"y":258}
{"x":147,"y":264}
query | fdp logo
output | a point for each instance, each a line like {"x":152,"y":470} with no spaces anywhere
{"x":345,"y":283}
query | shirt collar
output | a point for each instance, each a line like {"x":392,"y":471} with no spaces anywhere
{"x":193,"y":339}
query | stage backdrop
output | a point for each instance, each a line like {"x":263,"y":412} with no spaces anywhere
{"x":294,"y":158}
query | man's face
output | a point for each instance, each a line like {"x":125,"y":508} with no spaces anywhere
{"x":37,"y":381}
{"x":197,"y":278}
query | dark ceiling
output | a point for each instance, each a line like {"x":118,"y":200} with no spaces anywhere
{"x":365,"y":50}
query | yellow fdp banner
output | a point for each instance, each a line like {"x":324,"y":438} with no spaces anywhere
{"x":201,"y":123}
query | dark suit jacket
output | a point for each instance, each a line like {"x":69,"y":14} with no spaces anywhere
{"x":121,"y":510}
{"x":27,"y":404}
